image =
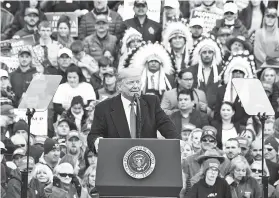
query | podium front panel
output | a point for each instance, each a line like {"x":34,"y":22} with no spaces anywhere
{"x":164,"y":181}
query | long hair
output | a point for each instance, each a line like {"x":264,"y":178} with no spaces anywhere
{"x":264,"y":72}
{"x":233,"y":108}
{"x":42,"y":167}
{"x":238,"y":160}
{"x":73,"y":68}
{"x":89,"y":170}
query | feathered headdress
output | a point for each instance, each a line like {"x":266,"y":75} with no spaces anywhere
{"x":241,"y":61}
{"x":130,"y":35}
{"x":206,"y":41}
{"x":150,"y":51}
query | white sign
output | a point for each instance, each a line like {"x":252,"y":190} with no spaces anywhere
{"x":39,"y":122}
{"x":154,"y":9}
{"x":11,"y":62}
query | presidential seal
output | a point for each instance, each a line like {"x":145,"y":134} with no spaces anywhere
{"x":139,"y":162}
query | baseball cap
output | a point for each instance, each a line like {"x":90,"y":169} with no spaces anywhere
{"x":140,"y":2}
{"x":188,"y":127}
{"x":3,"y":73}
{"x":230,"y":7}
{"x":24,"y":50}
{"x":19,"y":151}
{"x":243,"y":142}
{"x":111,"y":72}
{"x":40,"y":140}
{"x":73,"y":133}
{"x":6,"y":46}
{"x":101,"y":17}
{"x":65,"y":51}
{"x":196,"y":22}
{"x":2,"y":146}
{"x":31,"y":11}
{"x":209,"y":131}
{"x":7,"y":110}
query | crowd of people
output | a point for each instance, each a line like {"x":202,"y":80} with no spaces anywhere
{"x":185,"y":64}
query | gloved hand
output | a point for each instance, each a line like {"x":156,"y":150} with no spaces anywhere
{"x":75,"y":182}
{"x":56,"y":182}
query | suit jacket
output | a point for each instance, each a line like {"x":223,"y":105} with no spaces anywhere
{"x":240,"y":115}
{"x":218,"y":125}
{"x":110,"y":120}
{"x":196,"y":118}
{"x":169,"y":101}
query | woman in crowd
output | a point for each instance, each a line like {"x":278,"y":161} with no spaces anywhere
{"x":241,"y":182}
{"x":65,"y":183}
{"x":76,"y":113}
{"x":64,"y":31}
{"x":195,"y":139}
{"x":257,"y":170}
{"x":249,"y":134}
{"x":88,"y":183}
{"x":109,"y":83}
{"x":211,"y":184}
{"x":266,"y":39}
{"x":43,"y":174}
{"x":186,"y":150}
{"x":269,"y":76}
{"x":226,"y":127}
{"x":75,"y":86}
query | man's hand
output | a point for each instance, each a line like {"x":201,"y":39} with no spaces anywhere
{"x":96,"y":144}
{"x":203,"y":106}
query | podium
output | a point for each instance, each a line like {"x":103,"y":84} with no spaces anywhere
{"x":139,"y":168}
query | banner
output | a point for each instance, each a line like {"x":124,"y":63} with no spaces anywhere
{"x":209,"y":19}
{"x":17,"y":44}
{"x":53,"y":17}
{"x":39,"y":122}
{"x":153,"y":13}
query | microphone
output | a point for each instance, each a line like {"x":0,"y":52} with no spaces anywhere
{"x":139,"y":121}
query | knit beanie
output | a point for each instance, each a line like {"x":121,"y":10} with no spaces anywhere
{"x":49,"y":145}
{"x":77,"y":100}
{"x":20,"y":125}
{"x":271,"y":141}
{"x":211,"y":162}
{"x":64,"y":19}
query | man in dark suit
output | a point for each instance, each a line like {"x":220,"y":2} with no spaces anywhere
{"x":115,"y":117}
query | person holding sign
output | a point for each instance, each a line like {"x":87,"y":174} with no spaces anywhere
{"x":150,"y":30}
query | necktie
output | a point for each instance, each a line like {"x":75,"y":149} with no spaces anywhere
{"x":152,"y":82}
{"x":133,"y":121}
{"x":45,"y":52}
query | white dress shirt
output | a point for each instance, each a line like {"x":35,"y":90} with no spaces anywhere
{"x":156,"y":80}
{"x":127,"y":109}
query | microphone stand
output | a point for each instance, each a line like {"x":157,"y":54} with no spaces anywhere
{"x":139,"y":120}
{"x":24,"y":173}
{"x":263,"y":118}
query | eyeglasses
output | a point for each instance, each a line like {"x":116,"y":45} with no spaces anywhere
{"x":229,"y":13}
{"x":29,"y":170}
{"x":257,"y":150}
{"x":66,"y":174}
{"x":270,"y":16}
{"x":208,"y":141}
{"x":254,"y":170}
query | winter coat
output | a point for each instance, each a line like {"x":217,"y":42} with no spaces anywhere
{"x":88,"y":21}
{"x":35,"y":188}
{"x":96,"y":47}
{"x":238,"y":29}
{"x":55,"y":192}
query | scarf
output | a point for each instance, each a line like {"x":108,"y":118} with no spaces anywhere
{"x":78,"y":119}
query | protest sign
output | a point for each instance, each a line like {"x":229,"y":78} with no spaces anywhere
{"x":18,"y":44}
{"x":53,"y":17}
{"x":154,"y":9}
{"x":39,"y":123}
{"x":11,"y":62}
{"x":209,"y":19}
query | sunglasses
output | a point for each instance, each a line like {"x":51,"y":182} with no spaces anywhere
{"x":20,"y":145}
{"x":66,"y":174}
{"x":208,"y":141}
{"x":269,"y":149}
{"x":256,"y":170}
{"x":229,"y":13}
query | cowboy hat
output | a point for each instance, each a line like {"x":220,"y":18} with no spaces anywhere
{"x":247,"y":45}
{"x":213,"y":153}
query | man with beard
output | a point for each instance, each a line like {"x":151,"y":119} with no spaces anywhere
{"x":196,"y":25}
{"x":185,"y":81}
{"x":51,"y":155}
{"x":23,"y":75}
{"x":116,"y":117}
{"x":192,"y":168}
{"x":31,"y":19}
{"x":150,"y":30}
{"x":74,"y":148}
{"x":232,"y":148}
{"x":187,"y":113}
{"x":273,"y":168}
